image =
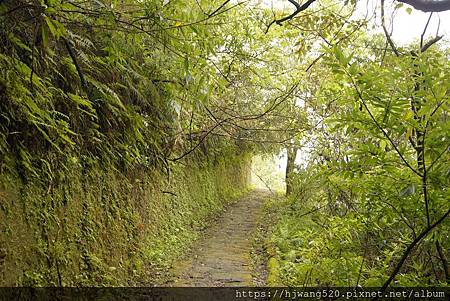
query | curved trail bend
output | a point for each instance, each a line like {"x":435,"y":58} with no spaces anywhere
{"x":222,"y":256}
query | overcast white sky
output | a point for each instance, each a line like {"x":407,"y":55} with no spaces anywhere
{"x":409,"y":27}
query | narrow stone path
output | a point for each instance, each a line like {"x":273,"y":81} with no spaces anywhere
{"x":222,"y":256}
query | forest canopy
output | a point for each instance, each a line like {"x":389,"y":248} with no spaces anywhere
{"x":154,"y":85}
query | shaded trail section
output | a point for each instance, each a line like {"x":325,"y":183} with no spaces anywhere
{"x":222,"y":256}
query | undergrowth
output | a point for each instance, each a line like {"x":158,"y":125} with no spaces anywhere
{"x":319,"y":239}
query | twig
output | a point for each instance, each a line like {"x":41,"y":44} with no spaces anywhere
{"x":253,"y":117}
{"x":169,"y":192}
{"x":337,"y":43}
{"x":439,"y":25}
{"x":32,"y":58}
{"x":75,"y":62}
{"x":311,"y":211}
{"x":264,"y":182}
{"x":431,"y":43}
{"x":219,"y":8}
{"x":363,"y":257}
{"x":443,"y":261}
{"x":438,"y":157}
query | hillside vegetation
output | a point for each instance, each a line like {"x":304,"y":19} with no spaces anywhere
{"x":126,"y":126}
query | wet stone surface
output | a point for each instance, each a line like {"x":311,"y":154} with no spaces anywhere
{"x":222,"y":256}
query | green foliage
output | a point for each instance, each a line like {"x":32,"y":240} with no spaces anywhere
{"x":102,"y":82}
{"x":103,"y":228}
{"x":377,"y":177}
{"x":101,"y":100}
{"x":97,"y":98}
{"x":339,"y":235}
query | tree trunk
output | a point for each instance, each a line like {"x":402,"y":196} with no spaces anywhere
{"x":291,"y":154}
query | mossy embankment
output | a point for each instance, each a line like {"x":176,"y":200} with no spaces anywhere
{"x":108,"y":162}
{"x":99,"y":226}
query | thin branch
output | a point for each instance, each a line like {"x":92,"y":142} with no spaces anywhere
{"x":218,"y":9}
{"x":33,"y":50}
{"x":298,"y":8}
{"x":15,"y":8}
{"x":413,"y":144}
{"x":402,"y":217}
{"x":155,"y":81}
{"x":444,"y":261}
{"x":363,"y":256}
{"x":386,"y":33}
{"x":446,"y":149}
{"x":252,"y":117}
{"x":75,"y":62}
{"x":283,"y":142}
{"x":169,"y":192}
{"x":315,"y":61}
{"x":199,"y":143}
{"x":337,"y":43}
{"x":439,"y":25}
{"x":311,"y":211}
{"x":424,"y":31}
{"x":431,"y":43}
{"x":262,"y":180}
{"x":198,"y":4}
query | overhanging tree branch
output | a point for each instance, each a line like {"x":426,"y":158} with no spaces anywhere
{"x":219,"y":123}
{"x":422,"y":5}
{"x":425,"y":30}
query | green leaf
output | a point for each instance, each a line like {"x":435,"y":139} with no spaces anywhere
{"x":339,"y":55}
{"x":408,"y":133}
{"x":50,"y":25}
{"x":353,"y":70}
{"x":44,"y":31}
{"x":80,"y":100}
{"x":409,"y":115}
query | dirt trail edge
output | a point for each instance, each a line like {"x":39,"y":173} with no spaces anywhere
{"x":222,"y":256}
